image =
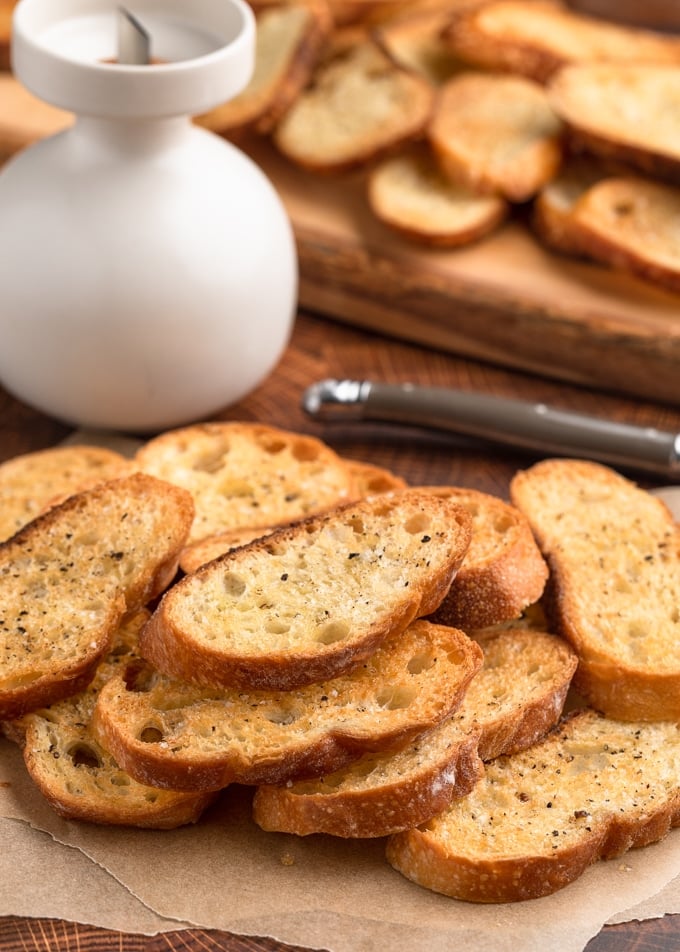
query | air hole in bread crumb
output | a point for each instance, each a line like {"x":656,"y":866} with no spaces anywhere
{"x":281,"y":716}
{"x":151,"y":735}
{"x":273,"y":446}
{"x":83,"y":755}
{"x":418,"y":523}
{"x":233,"y":584}
{"x":211,"y":462}
{"x":276,"y":627}
{"x":396,"y":698}
{"x":305,"y":452}
{"x":420,"y":663}
{"x":334,"y":631}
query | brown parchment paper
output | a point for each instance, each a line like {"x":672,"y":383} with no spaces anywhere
{"x":316,"y":891}
{"x":319,"y":892}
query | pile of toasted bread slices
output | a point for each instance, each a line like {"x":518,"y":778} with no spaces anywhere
{"x":463,"y":113}
{"x":239,"y":604}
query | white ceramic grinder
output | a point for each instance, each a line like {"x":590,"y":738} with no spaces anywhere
{"x":148,"y":274}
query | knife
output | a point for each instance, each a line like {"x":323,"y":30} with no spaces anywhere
{"x":517,"y":423}
{"x":134,"y":42}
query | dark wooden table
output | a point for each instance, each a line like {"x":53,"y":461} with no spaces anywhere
{"x":321,"y":348}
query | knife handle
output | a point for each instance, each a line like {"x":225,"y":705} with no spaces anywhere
{"x":518,"y":423}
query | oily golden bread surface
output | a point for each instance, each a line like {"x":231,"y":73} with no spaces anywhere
{"x":77,"y":776}
{"x":515,"y":699}
{"x":68,"y":576}
{"x":592,"y":789}
{"x":496,"y":134}
{"x":30,"y":483}
{"x":173,"y":735}
{"x":503,"y":572}
{"x":310,"y":601}
{"x":242,"y":475}
{"x":614,"y":555}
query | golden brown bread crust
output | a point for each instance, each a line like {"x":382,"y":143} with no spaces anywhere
{"x":312,"y":600}
{"x":410,"y":194}
{"x":503,"y":571}
{"x":622,"y":111}
{"x":514,"y":700}
{"x":77,"y":777}
{"x":178,"y":737}
{"x":67,"y":578}
{"x":614,"y":557}
{"x":537,"y":820}
{"x":290,"y":39}
{"x":245,"y":475}
{"x":536,"y":38}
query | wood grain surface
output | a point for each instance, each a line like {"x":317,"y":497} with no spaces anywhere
{"x":322,"y":348}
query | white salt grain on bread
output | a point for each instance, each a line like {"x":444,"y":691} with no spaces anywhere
{"x":514,"y":700}
{"x":496,"y":134}
{"x":614,"y":555}
{"x":244,"y":475}
{"x":30,"y":483}
{"x":313,"y":600}
{"x":78,"y":778}
{"x":535,"y":39}
{"x":358,"y":106}
{"x":68,"y":577}
{"x":591,"y":790}
{"x":410,"y":194}
{"x":170,"y":734}
{"x":503,"y":572}
{"x":623,"y":111}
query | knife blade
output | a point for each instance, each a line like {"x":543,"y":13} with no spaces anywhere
{"x":134,"y":42}
{"x":517,"y":423}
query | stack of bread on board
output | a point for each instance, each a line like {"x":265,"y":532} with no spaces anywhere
{"x":461,"y":114}
{"x":492,"y":686}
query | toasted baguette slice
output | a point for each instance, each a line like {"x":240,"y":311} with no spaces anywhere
{"x":368,"y":479}
{"x":553,"y":211}
{"x":410,"y":194}
{"x":30,"y":483}
{"x":67,"y":578}
{"x":538,"y":819}
{"x":630,"y":224}
{"x":496,"y":134}
{"x":175,"y":736}
{"x":414,"y":42}
{"x":614,"y":556}
{"x":503,"y":572}
{"x":359,"y":106}
{"x":535,"y":39}
{"x":513,"y":701}
{"x":623,"y":111}
{"x":313,"y":600}
{"x":79,"y":779}
{"x":290,"y":38}
{"x":245,"y":475}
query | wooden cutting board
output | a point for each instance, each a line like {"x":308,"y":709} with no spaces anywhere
{"x":505,"y":300}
